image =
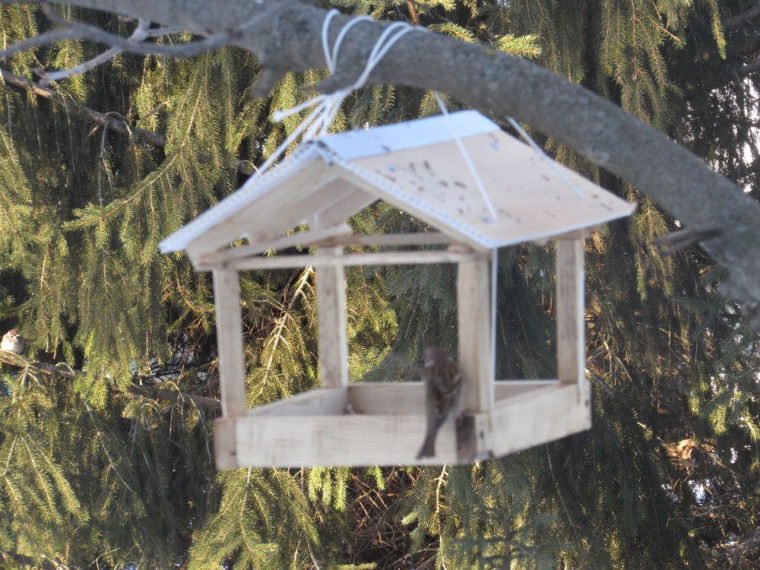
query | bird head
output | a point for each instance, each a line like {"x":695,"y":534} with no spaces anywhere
{"x":435,"y":355}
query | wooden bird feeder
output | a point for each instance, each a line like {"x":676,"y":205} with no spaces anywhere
{"x":418,"y":167}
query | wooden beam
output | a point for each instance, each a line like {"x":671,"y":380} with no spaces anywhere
{"x":390,"y":240}
{"x":538,"y":417}
{"x":409,"y":397}
{"x":337,"y":440}
{"x":329,"y":259}
{"x":229,"y":340}
{"x":475,"y":358}
{"x":271,"y":211}
{"x":474,"y":332}
{"x":544,"y":413}
{"x":571,"y":353}
{"x":299,"y":239}
{"x":581,"y":234}
{"x":322,"y":401}
{"x":331,"y":317}
{"x":225,"y":444}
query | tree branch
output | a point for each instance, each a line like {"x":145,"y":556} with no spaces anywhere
{"x":750,"y":67}
{"x":65,"y":371}
{"x":744,"y":19}
{"x":289,"y":39}
{"x":176,"y":397}
{"x":141,"y":32}
{"x":150,"y":137}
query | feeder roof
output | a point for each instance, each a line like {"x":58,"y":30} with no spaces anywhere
{"x":417,"y":166}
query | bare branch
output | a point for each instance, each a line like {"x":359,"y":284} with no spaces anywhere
{"x":40,"y":40}
{"x":141,"y":32}
{"x":73,"y":30}
{"x":108,"y":121}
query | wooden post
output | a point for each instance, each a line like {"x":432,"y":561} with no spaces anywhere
{"x":571,"y":352}
{"x":331,"y":313}
{"x":229,"y":339}
{"x":475,"y":358}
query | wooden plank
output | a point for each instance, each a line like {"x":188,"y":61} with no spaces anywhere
{"x":582,"y":233}
{"x":474,"y":332}
{"x":338,"y":440}
{"x":298,"y":239}
{"x":571,"y":354}
{"x":276,"y":210}
{"x":390,"y":240}
{"x":225,"y":440}
{"x":409,"y":397}
{"x":537,"y":418}
{"x":412,"y":209}
{"x":325,"y":259}
{"x":322,"y":401}
{"x":350,"y":200}
{"x":475,"y":358}
{"x":533,"y":418}
{"x":331,"y":318}
{"x":404,"y":398}
{"x":229,"y":340}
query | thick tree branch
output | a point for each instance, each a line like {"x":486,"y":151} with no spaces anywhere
{"x":150,"y":137}
{"x":746,"y":18}
{"x":289,"y":39}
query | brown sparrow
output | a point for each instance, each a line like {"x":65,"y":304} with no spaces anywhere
{"x":443,"y":394}
{"x":12,"y":342}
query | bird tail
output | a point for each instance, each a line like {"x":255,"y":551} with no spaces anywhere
{"x":428,"y":447}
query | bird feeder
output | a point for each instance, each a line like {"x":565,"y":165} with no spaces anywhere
{"x":419,"y":167}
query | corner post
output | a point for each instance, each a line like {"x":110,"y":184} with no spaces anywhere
{"x":571,"y":350}
{"x":475,"y":358}
{"x":229,"y":334}
{"x":331,"y":315}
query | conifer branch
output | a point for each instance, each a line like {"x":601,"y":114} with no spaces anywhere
{"x":63,"y":370}
{"x":177,"y":397}
{"x":104,"y":120}
{"x":141,"y":32}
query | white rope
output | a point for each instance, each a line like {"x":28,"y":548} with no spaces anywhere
{"x":494,"y":313}
{"x":326,"y":106}
{"x":467,"y":158}
{"x":552,"y":165}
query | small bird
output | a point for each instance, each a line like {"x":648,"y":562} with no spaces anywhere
{"x":443,"y":394}
{"x":685,"y":453}
{"x":12,"y":342}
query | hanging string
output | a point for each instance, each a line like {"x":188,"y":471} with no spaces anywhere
{"x":466,"y":156}
{"x":326,"y":106}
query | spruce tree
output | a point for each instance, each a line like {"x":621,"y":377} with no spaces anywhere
{"x":106,"y":456}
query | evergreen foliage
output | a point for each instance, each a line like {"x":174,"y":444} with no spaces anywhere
{"x":97,"y":470}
